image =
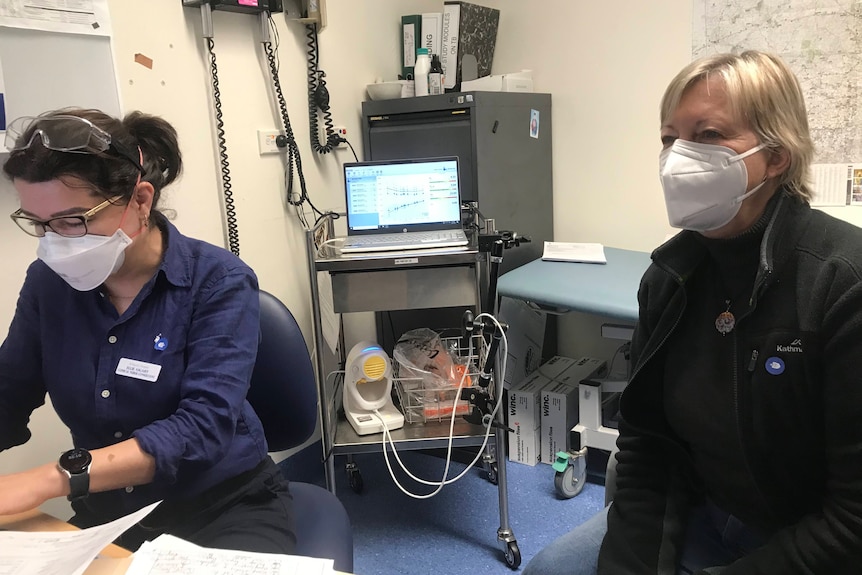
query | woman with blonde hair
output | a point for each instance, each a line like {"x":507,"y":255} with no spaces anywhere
{"x":739,"y":447}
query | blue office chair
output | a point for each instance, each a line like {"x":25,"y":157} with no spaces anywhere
{"x":284,"y":395}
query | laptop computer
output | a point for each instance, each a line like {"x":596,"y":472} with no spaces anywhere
{"x":406,"y":204}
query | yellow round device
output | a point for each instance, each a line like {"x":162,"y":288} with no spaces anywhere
{"x":368,"y":407}
{"x":367,"y":364}
{"x":374,"y":368}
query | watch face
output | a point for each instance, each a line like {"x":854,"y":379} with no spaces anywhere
{"x":75,"y":460}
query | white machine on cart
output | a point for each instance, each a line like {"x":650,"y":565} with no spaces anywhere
{"x":368,"y":387}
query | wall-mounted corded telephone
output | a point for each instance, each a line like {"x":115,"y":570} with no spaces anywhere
{"x":241,"y":6}
{"x":306,"y":12}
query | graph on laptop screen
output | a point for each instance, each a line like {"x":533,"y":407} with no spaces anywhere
{"x":405,"y":195}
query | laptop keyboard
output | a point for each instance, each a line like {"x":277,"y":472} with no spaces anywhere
{"x":406,"y":241}
{"x":411,"y":238}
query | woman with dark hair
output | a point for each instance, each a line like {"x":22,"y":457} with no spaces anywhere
{"x":144,"y":339}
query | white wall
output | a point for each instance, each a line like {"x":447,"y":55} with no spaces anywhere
{"x":606,"y":65}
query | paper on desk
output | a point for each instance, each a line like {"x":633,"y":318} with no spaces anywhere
{"x":60,"y":553}
{"x":167,"y":555}
{"x":572,"y":252}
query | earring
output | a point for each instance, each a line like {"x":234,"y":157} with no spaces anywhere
{"x":145,"y":220}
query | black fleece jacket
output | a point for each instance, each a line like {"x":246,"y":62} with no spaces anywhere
{"x":797,"y":380}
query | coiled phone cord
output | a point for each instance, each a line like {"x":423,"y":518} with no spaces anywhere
{"x":318,"y":98}
{"x":229,"y":208}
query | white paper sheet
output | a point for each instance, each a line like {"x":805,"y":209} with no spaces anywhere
{"x":71,"y":16}
{"x":60,"y":553}
{"x":168,"y":555}
{"x":574,"y":252}
{"x":330,"y":321}
{"x":830,"y":184}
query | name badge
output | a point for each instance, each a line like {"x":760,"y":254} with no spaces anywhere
{"x":138,"y":369}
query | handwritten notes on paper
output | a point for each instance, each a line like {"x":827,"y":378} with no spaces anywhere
{"x":168,"y":555}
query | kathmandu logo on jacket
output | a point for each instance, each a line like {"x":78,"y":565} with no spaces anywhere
{"x":794,"y":347}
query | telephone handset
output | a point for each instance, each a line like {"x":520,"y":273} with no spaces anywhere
{"x":318,"y":98}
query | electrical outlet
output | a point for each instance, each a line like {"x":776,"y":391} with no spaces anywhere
{"x":266,"y":141}
{"x":341,"y":131}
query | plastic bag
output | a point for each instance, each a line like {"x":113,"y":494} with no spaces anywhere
{"x":421,"y":354}
{"x":429,"y":374}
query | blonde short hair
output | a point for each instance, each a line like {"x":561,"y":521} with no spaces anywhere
{"x":765,"y":94}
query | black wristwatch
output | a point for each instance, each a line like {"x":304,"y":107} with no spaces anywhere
{"x":75,"y":463}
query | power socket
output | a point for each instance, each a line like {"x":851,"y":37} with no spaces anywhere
{"x":340,"y":131}
{"x":266,"y":142}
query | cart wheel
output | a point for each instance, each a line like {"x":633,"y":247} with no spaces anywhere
{"x":492,"y":473}
{"x":354,"y":479}
{"x":513,"y":555}
{"x":568,"y":484}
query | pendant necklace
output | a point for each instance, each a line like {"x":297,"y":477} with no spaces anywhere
{"x":725,"y":321}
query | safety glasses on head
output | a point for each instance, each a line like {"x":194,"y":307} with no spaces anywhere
{"x":60,"y":133}
{"x":63,"y":133}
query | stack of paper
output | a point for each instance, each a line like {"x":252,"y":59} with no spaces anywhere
{"x":168,"y":555}
{"x":571,"y":252}
{"x":62,"y":553}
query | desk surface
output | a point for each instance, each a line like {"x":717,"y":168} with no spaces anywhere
{"x":602,"y":289}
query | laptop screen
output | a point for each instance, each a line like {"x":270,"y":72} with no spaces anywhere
{"x":402,"y":195}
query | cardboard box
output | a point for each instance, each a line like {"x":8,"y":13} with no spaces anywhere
{"x":467,"y":29}
{"x":515,"y":82}
{"x":554,"y":367}
{"x":524,"y":418}
{"x":525,"y":336}
{"x":559,"y":405}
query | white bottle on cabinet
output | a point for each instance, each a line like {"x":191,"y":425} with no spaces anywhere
{"x":420,"y":71}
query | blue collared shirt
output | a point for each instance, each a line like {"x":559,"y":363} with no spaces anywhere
{"x":186,"y":345}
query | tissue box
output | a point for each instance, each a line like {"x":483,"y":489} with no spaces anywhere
{"x":559,"y":405}
{"x":516,"y":82}
{"x":524,"y":419}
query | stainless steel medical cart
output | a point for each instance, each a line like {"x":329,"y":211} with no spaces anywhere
{"x":385,"y":282}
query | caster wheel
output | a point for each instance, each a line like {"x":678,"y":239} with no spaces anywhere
{"x":492,"y":473}
{"x":354,"y":479}
{"x":513,"y":555}
{"x":568,"y":483}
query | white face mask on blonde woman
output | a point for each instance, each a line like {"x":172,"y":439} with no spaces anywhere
{"x":704,"y":184}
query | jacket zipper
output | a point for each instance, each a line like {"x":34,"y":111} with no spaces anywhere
{"x":752,"y":362}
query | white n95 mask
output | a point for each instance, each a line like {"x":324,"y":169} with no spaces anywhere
{"x":84,"y":262}
{"x":704,"y":184}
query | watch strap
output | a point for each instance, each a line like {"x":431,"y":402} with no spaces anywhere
{"x":79,"y":485}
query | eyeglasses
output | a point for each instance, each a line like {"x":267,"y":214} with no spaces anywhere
{"x":63,"y":133}
{"x":66,"y":226}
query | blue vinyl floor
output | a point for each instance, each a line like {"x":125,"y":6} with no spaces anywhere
{"x":454,"y":532}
